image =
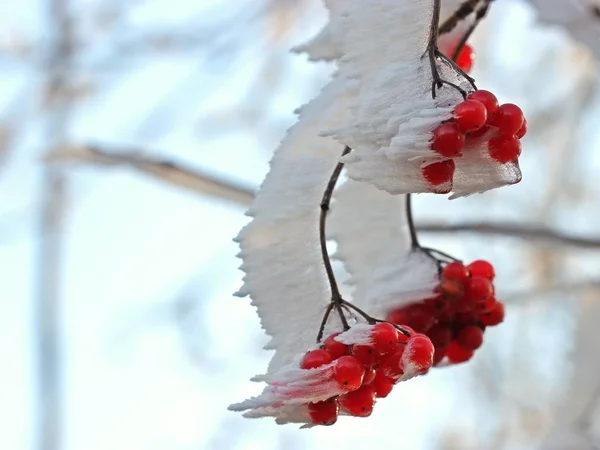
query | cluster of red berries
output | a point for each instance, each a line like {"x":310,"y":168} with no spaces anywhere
{"x":456,"y":318}
{"x":479,"y":115}
{"x":367,"y":372}
{"x":465,"y":57}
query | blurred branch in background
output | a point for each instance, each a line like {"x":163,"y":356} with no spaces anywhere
{"x":202,"y":183}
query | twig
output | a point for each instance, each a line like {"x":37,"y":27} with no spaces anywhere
{"x":161,"y":169}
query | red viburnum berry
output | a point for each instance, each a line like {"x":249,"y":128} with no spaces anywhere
{"x":359,"y":403}
{"x":448,"y":140}
{"x":451,"y":289}
{"x":419,"y":351}
{"x":441,"y":336}
{"x":470,"y":337}
{"x":470,"y":115}
{"x":456,"y":271}
{"x":370,"y":373}
{"x":348,"y":372}
{"x":325,"y":412}
{"x":504,"y":148}
{"x":398,"y":316}
{"x":481,"y":268}
{"x":456,"y":354}
{"x":465,"y":58}
{"x":523,"y":130}
{"x":478,"y":289}
{"x":335,"y":348}
{"x":420,"y":317}
{"x":436,"y":305}
{"x":488,"y":100}
{"x":493,"y":317}
{"x":382,"y":385}
{"x":439,"y":172}
{"x":471,"y":317}
{"x":487,"y":305}
{"x":391,"y":365}
{"x":365,"y":354}
{"x":315,"y":358}
{"x":384,"y":338}
{"x":509,"y":119}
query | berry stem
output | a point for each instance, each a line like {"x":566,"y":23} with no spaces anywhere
{"x":324,"y":322}
{"x":336,"y":297}
{"x":414,"y":240}
{"x":479,"y":15}
{"x":463,"y":11}
{"x":371,"y":320}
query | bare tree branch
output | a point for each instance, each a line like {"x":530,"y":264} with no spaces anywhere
{"x":204,"y":184}
{"x":160,"y":169}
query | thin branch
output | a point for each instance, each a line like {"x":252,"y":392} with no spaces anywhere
{"x":521,"y":231}
{"x":161,"y":169}
{"x":204,"y":184}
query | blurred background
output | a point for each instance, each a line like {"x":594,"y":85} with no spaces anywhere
{"x":132,"y":134}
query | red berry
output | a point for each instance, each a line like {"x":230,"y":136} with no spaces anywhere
{"x":448,"y":140}
{"x":335,"y":348}
{"x":504,"y":148}
{"x":315,"y":358}
{"x":487,"y":305}
{"x":509,"y":119}
{"x":494,"y":317}
{"x":466,"y":318}
{"x":439,"y":354}
{"x":436,"y":305}
{"x":441,"y":336}
{"x":325,"y":412}
{"x":359,"y":403}
{"x":465,"y":58}
{"x":470,"y":115}
{"x":481,"y":268}
{"x":365,"y":354}
{"x":439,"y":172}
{"x":470,"y":337}
{"x":420,"y":317}
{"x":478,"y":289}
{"x":382,"y":385}
{"x":488,"y":100}
{"x":398,"y":316}
{"x":391,"y":365}
{"x":348,"y":372}
{"x":451,"y":289}
{"x":384,"y":338}
{"x":370,"y":373}
{"x":456,"y":354}
{"x":419,"y":353}
{"x":456,"y":271}
{"x":478,"y":133}
{"x":523,"y":130}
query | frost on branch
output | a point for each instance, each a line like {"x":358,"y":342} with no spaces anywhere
{"x":384,"y":68}
{"x":284,"y":274}
{"x":373,"y":239}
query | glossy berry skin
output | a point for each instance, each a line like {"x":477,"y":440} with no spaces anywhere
{"x":348,"y":372}
{"x":478,"y":289}
{"x":315,"y":358}
{"x":488,"y":100}
{"x":448,"y":140}
{"x":456,"y":354}
{"x":384,"y":338}
{"x":420,"y":317}
{"x":359,"y":403}
{"x":325,"y":412}
{"x":439,"y":172}
{"x":419,"y":351}
{"x":482,"y":268}
{"x":366,"y":354}
{"x":382,"y":385}
{"x":487,"y":305}
{"x":470,"y":115}
{"x":456,"y":271}
{"x":441,"y":336}
{"x":509,"y":119}
{"x":523,"y":130}
{"x":370,"y":374}
{"x":494,"y":317}
{"x":504,"y":148}
{"x":470,"y":337}
{"x":335,"y":348}
{"x":465,"y":58}
{"x":451,"y":289}
{"x":391,"y":365}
